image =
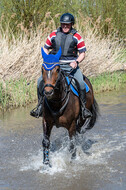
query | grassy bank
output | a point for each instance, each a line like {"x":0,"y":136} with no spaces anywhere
{"x":15,"y":93}
{"x":109,"y":81}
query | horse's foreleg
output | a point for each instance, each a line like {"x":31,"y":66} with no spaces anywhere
{"x":46,"y":142}
{"x":72,"y":133}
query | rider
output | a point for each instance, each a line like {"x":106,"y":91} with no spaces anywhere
{"x":73,"y":52}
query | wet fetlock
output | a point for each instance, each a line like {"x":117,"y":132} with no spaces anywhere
{"x":46,"y":158}
{"x":73,"y":155}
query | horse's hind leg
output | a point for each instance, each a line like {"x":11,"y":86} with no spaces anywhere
{"x":72,"y":133}
{"x":46,"y":142}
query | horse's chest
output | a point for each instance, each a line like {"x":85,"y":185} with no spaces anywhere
{"x":61,"y":122}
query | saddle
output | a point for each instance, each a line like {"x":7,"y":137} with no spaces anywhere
{"x":74,"y":85}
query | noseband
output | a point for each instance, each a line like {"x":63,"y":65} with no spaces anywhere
{"x":49,"y":85}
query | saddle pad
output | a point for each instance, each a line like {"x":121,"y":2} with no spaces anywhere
{"x":74,"y":90}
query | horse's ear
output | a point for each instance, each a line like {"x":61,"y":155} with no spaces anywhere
{"x":58,"y":55}
{"x":44,"y":55}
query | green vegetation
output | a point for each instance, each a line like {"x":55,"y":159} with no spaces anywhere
{"x":19,"y":93}
{"x":27,"y":15}
{"x":16,"y":93}
{"x":24,"y":27}
{"x":109,"y":81}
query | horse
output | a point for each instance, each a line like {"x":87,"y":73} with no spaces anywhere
{"x":61,"y":107}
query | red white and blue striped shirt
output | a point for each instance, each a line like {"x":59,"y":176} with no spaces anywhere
{"x":77,"y":39}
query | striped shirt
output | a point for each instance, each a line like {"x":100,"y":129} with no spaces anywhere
{"x":77,"y":39}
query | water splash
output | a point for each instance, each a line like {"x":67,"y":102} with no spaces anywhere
{"x":95,"y":151}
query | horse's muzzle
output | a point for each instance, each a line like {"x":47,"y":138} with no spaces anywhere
{"x":49,"y":93}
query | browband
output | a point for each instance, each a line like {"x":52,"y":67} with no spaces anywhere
{"x":50,"y":66}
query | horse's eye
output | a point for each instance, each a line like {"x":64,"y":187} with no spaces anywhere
{"x":58,"y":70}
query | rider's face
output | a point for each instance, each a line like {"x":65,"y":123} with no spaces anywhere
{"x":66,"y":27}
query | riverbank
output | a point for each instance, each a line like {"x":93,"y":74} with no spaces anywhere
{"x":21,"y":61}
{"x":16,"y":93}
{"x":108,"y":81}
{"x":21,"y":92}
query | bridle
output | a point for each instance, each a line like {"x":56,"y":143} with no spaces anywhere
{"x":61,"y":78}
{"x":56,"y":84}
{"x":57,"y":81}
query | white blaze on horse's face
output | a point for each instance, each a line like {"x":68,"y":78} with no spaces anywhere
{"x":50,"y":78}
{"x":49,"y":74}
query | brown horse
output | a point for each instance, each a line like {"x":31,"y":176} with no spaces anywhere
{"x":61,"y":107}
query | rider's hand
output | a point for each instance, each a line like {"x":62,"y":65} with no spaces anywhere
{"x":73,"y":64}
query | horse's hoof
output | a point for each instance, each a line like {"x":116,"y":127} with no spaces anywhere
{"x":47,"y":164}
{"x":73,"y":157}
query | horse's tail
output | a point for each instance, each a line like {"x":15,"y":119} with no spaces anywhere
{"x":95,"y":113}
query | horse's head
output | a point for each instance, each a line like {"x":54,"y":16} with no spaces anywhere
{"x":50,"y":72}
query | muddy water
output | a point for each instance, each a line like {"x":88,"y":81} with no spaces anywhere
{"x":101,"y":152}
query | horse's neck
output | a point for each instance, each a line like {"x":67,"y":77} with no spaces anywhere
{"x":60,"y":92}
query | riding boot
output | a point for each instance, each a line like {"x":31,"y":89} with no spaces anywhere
{"x":37,"y":111}
{"x":85,"y":112}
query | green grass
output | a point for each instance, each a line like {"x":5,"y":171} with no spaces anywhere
{"x":108,"y":81}
{"x":15,"y":93}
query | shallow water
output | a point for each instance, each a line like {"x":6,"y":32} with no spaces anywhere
{"x":101,"y":152}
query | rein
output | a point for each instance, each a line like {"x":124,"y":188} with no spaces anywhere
{"x":58,"y":113}
{"x":66,"y":96}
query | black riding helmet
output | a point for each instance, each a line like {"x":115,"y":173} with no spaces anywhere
{"x":67,"y":18}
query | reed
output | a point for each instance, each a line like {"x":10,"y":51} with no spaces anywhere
{"x":22,"y":57}
{"x":107,"y":15}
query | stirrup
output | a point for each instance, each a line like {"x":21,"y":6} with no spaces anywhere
{"x":37,"y":111}
{"x":86,"y":113}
